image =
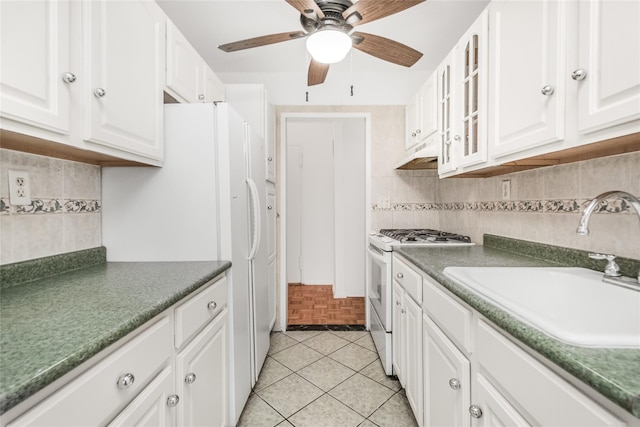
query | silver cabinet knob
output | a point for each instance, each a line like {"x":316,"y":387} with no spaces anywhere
{"x":270,"y":158}
{"x":399,"y":275}
{"x":475,"y":411}
{"x":418,"y":130}
{"x":456,"y":138}
{"x":212,"y":305}
{"x":579,"y":74}
{"x":190,"y":378}
{"x":99,"y":92}
{"x":201,"y":97}
{"x":68,"y":77}
{"x":454,"y":384}
{"x":547,"y":90}
{"x":397,"y":302}
{"x":269,"y":207}
{"x":173,"y":400}
{"x":403,"y":311}
{"x":126,"y":381}
{"x":447,"y":142}
{"x":413,"y":134}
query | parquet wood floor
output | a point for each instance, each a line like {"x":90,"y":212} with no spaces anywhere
{"x":315,"y":305}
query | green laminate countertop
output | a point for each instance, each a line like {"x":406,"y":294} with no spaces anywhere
{"x":51,"y":325}
{"x":614,"y":373}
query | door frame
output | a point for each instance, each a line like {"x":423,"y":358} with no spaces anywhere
{"x":282,"y":187}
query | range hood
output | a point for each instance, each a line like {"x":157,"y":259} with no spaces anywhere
{"x":425,"y":156}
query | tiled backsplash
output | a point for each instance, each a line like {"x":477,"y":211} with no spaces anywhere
{"x":64,"y":214}
{"x":544,"y":207}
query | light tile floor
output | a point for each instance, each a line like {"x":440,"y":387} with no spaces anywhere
{"x":325,"y":379}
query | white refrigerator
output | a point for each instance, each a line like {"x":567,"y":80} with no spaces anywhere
{"x":206,"y":203}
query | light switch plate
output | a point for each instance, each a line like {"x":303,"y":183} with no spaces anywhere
{"x":19,"y":188}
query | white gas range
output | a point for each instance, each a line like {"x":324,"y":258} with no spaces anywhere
{"x":380,"y":278}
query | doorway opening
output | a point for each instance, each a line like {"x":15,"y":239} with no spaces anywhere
{"x":324,"y":188}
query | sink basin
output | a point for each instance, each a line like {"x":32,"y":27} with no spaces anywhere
{"x":573,"y":305}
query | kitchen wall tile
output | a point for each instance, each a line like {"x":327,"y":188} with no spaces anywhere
{"x":427,"y":219}
{"x":5,"y":162}
{"x":6,"y":239}
{"x":82,"y":181}
{"x":561,"y":181}
{"x":610,"y":173}
{"x":82,"y":231}
{"x":403,"y":219}
{"x":36,"y":236}
{"x":45,"y":173}
{"x":526,"y":185}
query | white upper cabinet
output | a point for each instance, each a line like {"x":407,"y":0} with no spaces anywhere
{"x":445,"y":137}
{"x":124,"y":57}
{"x":607,"y":71}
{"x":462,"y":101}
{"x":471,"y":92}
{"x":35,"y":65}
{"x":421,"y":114}
{"x":189,"y":78}
{"x":563,"y":75}
{"x":85,"y":74}
{"x":528,"y":69}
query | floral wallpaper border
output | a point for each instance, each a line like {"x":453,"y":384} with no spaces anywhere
{"x":51,"y":206}
{"x":535,"y":206}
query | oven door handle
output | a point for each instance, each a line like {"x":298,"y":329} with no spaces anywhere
{"x":376,"y":256}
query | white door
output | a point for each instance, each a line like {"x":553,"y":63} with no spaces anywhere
{"x":609,"y":42}
{"x":447,"y":380}
{"x":125,"y":48}
{"x":34,"y":37}
{"x":294,"y":213}
{"x":201,"y":377}
{"x":528,"y":55}
{"x":316,"y":199}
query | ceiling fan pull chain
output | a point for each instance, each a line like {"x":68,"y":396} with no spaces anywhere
{"x":351,"y":65}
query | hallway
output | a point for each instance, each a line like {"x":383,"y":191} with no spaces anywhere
{"x":325,"y":379}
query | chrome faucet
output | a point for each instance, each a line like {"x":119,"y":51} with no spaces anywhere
{"x":583,"y":227}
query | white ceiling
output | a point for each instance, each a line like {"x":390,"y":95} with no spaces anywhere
{"x":432,"y":27}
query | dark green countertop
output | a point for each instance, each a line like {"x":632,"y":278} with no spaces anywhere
{"x":614,"y":373}
{"x":51,"y":325}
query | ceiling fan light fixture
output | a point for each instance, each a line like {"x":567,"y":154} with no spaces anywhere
{"x":328,"y":46}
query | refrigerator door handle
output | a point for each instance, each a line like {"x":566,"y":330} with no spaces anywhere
{"x":253,"y":189}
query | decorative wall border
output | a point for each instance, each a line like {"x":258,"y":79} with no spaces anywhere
{"x":51,"y":206}
{"x":531,"y":206}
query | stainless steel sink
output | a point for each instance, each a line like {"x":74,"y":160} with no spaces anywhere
{"x":573,"y":305}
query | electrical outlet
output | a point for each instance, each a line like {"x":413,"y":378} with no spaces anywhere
{"x":19,"y":188}
{"x":506,"y":189}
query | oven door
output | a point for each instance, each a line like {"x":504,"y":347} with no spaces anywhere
{"x":379,"y":279}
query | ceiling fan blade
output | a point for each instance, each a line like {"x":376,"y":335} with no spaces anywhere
{"x":371,"y":10}
{"x":303,"y":6}
{"x":317,"y":73}
{"x":261,"y":41}
{"x":387,"y":49}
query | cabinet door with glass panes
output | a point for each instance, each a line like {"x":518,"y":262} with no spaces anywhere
{"x":445,"y":135}
{"x":471,"y":93}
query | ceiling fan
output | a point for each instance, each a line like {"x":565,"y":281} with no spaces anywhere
{"x":329,"y":28}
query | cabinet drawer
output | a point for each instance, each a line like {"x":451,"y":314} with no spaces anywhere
{"x":408,"y":279}
{"x":544,"y":395}
{"x":450,"y":315}
{"x":95,"y":397}
{"x":198,"y":310}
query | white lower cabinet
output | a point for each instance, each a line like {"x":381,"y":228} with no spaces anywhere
{"x":147,"y":381}
{"x":474,"y":375}
{"x":447,"y":379}
{"x":201,"y":382}
{"x":407,"y":333}
{"x":150,"y":407}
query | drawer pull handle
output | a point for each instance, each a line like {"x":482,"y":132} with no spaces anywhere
{"x":454,"y":384}
{"x":190,"y":378}
{"x":212,"y":305}
{"x":173,"y":400}
{"x":399,"y":275}
{"x":475,"y":411}
{"x":126,"y":381}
